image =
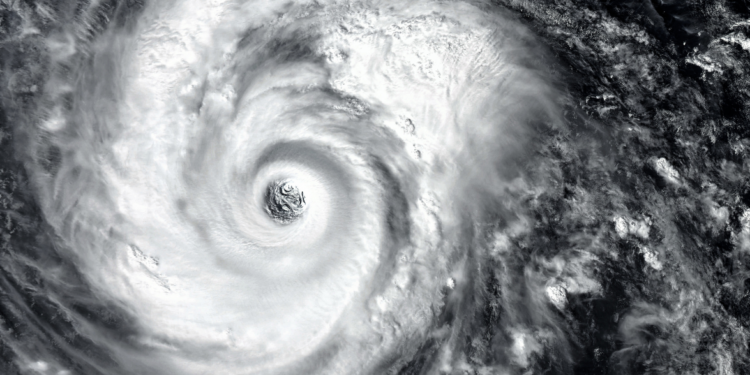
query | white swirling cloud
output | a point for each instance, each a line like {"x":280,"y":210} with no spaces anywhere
{"x":400,"y":122}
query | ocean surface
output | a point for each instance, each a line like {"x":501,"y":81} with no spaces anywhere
{"x":374,"y":187}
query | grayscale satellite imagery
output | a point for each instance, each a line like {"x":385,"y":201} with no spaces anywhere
{"x":374,"y":187}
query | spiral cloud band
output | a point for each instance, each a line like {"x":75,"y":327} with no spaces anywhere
{"x":383,"y":116}
{"x":373,"y":187}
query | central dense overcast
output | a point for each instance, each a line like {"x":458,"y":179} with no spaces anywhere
{"x":376,"y":187}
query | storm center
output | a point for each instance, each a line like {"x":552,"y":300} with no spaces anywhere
{"x":285,"y":202}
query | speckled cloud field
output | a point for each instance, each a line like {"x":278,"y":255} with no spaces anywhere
{"x":375,"y":187}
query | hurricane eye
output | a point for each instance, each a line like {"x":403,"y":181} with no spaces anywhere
{"x":285,"y":202}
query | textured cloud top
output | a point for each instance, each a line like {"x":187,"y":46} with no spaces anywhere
{"x":378,"y":187}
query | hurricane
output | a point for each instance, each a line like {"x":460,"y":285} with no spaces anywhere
{"x":374,"y":187}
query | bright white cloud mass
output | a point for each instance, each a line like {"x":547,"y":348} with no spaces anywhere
{"x":375,"y":187}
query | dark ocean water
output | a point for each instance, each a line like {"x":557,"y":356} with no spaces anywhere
{"x":392,"y":187}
